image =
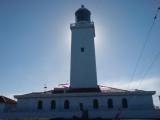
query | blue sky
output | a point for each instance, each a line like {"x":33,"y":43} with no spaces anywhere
{"x":35,"y":40}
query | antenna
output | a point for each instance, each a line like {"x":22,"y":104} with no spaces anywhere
{"x":45,"y":87}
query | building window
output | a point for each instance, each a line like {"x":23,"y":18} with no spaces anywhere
{"x":82,"y":49}
{"x":40,"y":105}
{"x":81,"y":106}
{"x":110,"y":103}
{"x":66,"y":104}
{"x":95,"y":104}
{"x":124,"y":103}
{"x":53,"y":105}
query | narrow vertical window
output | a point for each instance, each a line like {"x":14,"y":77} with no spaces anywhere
{"x":40,"y":105}
{"x":82,"y":49}
{"x":81,"y":106}
{"x":124,"y":103}
{"x":95,"y":104}
{"x":66,"y":104}
{"x":110,"y":103}
{"x":53,"y":105}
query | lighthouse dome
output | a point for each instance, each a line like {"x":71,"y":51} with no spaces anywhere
{"x":82,"y":14}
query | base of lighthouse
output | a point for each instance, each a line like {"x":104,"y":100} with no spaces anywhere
{"x":108,"y":103}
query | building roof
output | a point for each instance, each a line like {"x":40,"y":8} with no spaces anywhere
{"x":6,"y":100}
{"x":102,"y":91}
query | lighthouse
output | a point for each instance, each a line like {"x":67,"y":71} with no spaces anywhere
{"x":83,"y":64}
{"x":83,"y":98}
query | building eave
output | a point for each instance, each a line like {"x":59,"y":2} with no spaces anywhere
{"x":46,"y":95}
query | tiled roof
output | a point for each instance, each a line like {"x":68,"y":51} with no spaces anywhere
{"x":6,"y":100}
{"x":111,"y":89}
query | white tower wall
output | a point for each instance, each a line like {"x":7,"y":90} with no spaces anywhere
{"x":83,"y":64}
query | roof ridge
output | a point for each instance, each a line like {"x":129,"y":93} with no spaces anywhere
{"x":7,"y":100}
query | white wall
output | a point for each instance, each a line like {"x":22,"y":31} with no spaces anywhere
{"x":2,"y":106}
{"x":7,"y":107}
{"x":134,"y":102}
{"x":83,"y":64}
{"x":138,"y":105}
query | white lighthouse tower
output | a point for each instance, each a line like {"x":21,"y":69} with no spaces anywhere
{"x":83,"y":63}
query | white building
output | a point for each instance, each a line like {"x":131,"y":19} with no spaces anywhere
{"x":84,"y":98}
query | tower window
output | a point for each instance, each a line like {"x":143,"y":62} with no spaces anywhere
{"x":82,"y":49}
